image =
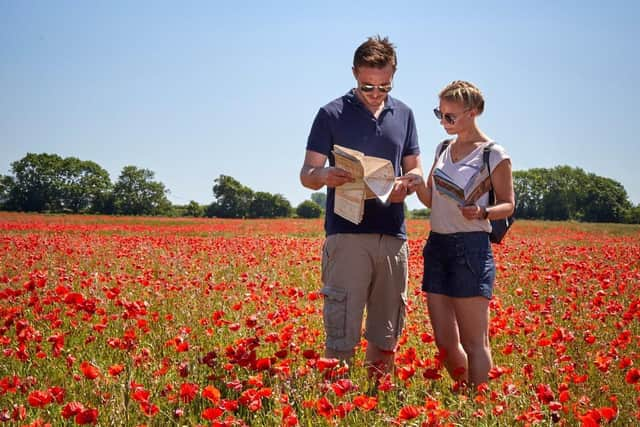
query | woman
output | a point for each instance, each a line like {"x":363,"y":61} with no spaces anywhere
{"x":459,"y":269}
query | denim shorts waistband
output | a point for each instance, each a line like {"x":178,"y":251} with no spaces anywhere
{"x":458,"y":235}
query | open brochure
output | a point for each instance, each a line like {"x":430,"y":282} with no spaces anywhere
{"x":374,"y":177}
{"x":477,"y":185}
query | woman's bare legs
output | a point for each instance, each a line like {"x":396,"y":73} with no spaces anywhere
{"x":445,"y":330}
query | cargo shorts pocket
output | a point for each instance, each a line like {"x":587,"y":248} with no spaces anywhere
{"x":334,"y":311}
{"x":402,"y":316}
{"x":328,"y":257}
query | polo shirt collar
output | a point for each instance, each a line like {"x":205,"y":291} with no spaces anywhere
{"x":389,"y":103}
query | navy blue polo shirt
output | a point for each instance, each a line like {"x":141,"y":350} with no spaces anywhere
{"x":346,"y":121}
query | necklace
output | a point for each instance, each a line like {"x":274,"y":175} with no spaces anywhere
{"x":463,"y":151}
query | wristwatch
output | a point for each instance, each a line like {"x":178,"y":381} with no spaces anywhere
{"x":485,"y":212}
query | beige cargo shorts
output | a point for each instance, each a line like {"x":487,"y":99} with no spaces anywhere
{"x":364,"y":271}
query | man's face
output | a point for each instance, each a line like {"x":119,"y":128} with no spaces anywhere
{"x":376,"y":77}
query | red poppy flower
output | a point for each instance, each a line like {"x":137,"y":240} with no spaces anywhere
{"x":211,"y":414}
{"x":324,"y":407}
{"x":39,"y":399}
{"x":212,"y":394}
{"x":115,"y":370}
{"x":325,"y":363}
{"x":188,"y":392}
{"x":632,"y":376}
{"x":71,"y":409}
{"x":366,"y":403}
{"x":87,"y":416}
{"x":408,"y":412}
{"x":89,"y":371}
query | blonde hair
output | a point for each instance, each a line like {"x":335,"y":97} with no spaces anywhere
{"x":464,"y":92}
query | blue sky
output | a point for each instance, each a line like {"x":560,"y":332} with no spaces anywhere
{"x":193,"y":90}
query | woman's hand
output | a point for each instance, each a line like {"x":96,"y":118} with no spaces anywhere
{"x":412,"y":181}
{"x":399,"y":192}
{"x":474,"y":211}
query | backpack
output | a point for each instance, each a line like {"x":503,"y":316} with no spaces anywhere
{"x":499,"y":227}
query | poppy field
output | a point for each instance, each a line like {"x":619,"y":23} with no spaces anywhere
{"x":131,"y":321}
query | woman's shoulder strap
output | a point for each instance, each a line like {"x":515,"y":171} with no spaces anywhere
{"x":444,"y":145}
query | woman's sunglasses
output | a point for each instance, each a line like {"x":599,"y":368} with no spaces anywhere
{"x":381,"y":88}
{"x":449,"y":118}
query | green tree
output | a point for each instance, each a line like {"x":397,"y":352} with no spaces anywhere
{"x":603,"y":200}
{"x":37,"y":186}
{"x":194,"y":209}
{"x":564,"y":192}
{"x":136,"y":193}
{"x":105,"y":203}
{"x":233,"y":200}
{"x":6,"y":188}
{"x":559,"y":194}
{"x":420,"y":213}
{"x":267,"y":205}
{"x":529,"y":189}
{"x":282,"y":207}
{"x":261,"y":205}
{"x":320,"y":198}
{"x":84,"y":184}
{"x":309,"y":209}
{"x":632,"y":215}
{"x":52,"y":183}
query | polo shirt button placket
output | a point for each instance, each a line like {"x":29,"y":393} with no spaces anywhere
{"x":377,"y":123}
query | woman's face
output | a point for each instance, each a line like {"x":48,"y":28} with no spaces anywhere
{"x":454,"y":117}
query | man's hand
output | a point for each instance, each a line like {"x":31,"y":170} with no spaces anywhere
{"x":334,"y":177}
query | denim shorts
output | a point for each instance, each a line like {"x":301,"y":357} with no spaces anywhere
{"x":459,"y":265}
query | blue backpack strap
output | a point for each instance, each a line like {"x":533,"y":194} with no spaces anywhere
{"x":445,"y":144}
{"x":485,"y":155}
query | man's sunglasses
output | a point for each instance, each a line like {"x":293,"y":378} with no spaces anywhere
{"x":381,"y":88}
{"x":449,"y":118}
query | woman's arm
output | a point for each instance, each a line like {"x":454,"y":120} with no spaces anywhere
{"x":416,"y":182}
{"x":502,"y":180}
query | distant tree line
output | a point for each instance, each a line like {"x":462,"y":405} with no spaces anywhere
{"x":566,"y":193}
{"x":50,"y":183}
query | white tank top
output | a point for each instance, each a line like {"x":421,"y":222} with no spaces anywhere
{"x":446,"y":217}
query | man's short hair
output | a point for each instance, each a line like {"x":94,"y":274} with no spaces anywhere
{"x":376,"y":52}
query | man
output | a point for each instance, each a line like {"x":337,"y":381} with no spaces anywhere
{"x":364,"y":265}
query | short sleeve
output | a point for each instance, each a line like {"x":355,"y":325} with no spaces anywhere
{"x":320,"y":139}
{"x":439,"y":149}
{"x":411,"y":147}
{"x":498,"y":154}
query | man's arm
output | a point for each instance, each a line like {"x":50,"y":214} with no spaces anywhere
{"x":315,"y":175}
{"x":411,"y":164}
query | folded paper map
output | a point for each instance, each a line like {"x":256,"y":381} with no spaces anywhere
{"x":477,"y":185}
{"x":374,"y":177}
